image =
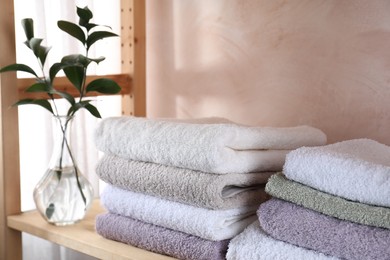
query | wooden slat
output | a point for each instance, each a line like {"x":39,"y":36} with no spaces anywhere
{"x":139,"y":58}
{"x":10,"y":240}
{"x":81,"y":237}
{"x":63,"y":84}
{"x":127,"y":50}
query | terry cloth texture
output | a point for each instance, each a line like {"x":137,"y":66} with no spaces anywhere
{"x":205,"y":223}
{"x":358,"y":170}
{"x":306,"y":228}
{"x":217,"y":148}
{"x":280,"y":187}
{"x":195,"y":188}
{"x":158,"y":239}
{"x":254,"y":244}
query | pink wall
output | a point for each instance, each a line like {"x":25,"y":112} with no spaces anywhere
{"x":324,"y":63}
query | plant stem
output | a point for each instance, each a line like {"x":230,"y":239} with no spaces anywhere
{"x":65,"y":142}
{"x":76,"y":172}
{"x":82,"y":90}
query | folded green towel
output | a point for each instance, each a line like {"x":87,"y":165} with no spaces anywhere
{"x":280,"y":187}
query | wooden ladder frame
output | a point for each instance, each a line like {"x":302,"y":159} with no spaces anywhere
{"x":132,"y":79}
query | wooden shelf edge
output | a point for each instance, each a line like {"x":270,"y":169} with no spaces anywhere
{"x":62,"y":83}
{"x":81,"y":237}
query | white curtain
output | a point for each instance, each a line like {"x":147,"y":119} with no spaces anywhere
{"x":35,"y":124}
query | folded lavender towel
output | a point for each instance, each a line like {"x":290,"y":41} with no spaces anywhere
{"x":357,"y":170}
{"x":306,"y":228}
{"x":217,"y":147}
{"x":280,"y":187}
{"x":214,"y":191}
{"x":254,"y":244}
{"x":158,"y":239}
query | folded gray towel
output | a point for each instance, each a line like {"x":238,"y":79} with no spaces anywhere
{"x":159,"y":239}
{"x":280,"y":187}
{"x":195,"y":188}
{"x":303,"y":227}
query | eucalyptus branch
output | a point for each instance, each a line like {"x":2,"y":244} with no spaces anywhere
{"x":75,"y":68}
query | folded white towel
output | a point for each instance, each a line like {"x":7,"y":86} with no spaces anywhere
{"x":205,"y":223}
{"x":254,"y":244}
{"x":209,"y":147}
{"x":358,"y":170}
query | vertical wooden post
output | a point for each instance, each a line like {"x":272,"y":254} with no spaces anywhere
{"x":133,"y":55}
{"x":139,"y":75}
{"x":10,"y":240}
{"x":127,"y":52}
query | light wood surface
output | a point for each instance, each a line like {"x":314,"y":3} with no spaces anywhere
{"x":81,"y":237}
{"x":10,"y":240}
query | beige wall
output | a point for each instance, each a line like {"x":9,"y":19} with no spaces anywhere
{"x":324,"y":63}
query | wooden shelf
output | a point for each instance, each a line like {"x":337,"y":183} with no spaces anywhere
{"x":81,"y":237}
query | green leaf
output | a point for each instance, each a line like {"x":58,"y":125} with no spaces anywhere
{"x":34,"y":44}
{"x":97,"y":60}
{"x":90,"y":26}
{"x":73,"y":30}
{"x":50,"y":211}
{"x":85,"y":15}
{"x":43,"y":51}
{"x":39,"y":51}
{"x":95,"y":36}
{"x":40,"y":102}
{"x":84,"y":104}
{"x":104,"y":86}
{"x":93,"y":25}
{"x":64,"y":95}
{"x":54,"y":69}
{"x":27,"y":43}
{"x":73,"y":109}
{"x":28,"y":27}
{"x":38,"y":87}
{"x":75,"y":74}
{"x":26,"y":101}
{"x":76,"y":59}
{"x":18,"y":67}
{"x":93,"y":110}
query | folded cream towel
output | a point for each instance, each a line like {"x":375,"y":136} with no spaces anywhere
{"x":209,"y":147}
{"x":255,"y":244}
{"x":205,"y":223}
{"x":357,"y":170}
{"x":159,"y":239}
{"x":280,"y":187}
{"x":196,"y":188}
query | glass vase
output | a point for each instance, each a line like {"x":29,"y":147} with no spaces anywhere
{"x":63,"y":195}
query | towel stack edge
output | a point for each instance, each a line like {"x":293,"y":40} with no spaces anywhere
{"x":332,"y":200}
{"x":198,"y":180}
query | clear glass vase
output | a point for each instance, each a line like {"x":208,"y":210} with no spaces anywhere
{"x":63,"y":195}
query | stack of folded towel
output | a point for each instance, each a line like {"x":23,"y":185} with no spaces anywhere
{"x":185,"y":188}
{"x":330,"y":202}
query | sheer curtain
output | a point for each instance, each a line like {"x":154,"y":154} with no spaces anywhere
{"x":35,"y":124}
